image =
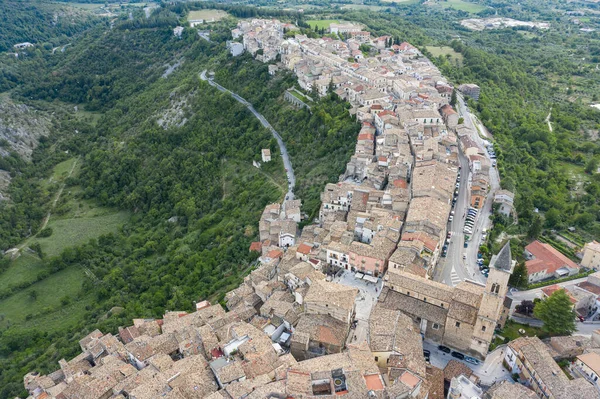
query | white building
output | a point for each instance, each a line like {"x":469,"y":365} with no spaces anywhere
{"x":505,"y":198}
{"x":266,"y":155}
{"x":591,"y":255}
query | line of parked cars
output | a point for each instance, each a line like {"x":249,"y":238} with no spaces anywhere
{"x":470,"y":220}
{"x":456,"y":354}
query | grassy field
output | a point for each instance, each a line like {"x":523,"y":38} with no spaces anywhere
{"x":445,"y":50}
{"x":321,"y":23}
{"x":24,"y":269}
{"x":402,"y":1}
{"x":46,"y":300}
{"x":207,"y":15}
{"x":366,"y":7}
{"x":462,"y":6}
{"x":75,"y":231}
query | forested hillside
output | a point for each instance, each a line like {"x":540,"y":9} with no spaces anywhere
{"x":170,"y":151}
{"x":40,"y":23}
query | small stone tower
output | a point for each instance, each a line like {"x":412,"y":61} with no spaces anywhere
{"x":501,"y":267}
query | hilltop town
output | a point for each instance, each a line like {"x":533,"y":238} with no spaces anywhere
{"x":347,"y":305}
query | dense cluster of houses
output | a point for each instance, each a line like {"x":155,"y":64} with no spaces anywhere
{"x":284,"y":331}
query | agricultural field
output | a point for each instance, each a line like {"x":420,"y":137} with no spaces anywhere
{"x":321,"y":23}
{"x":461,"y":5}
{"x":207,"y":15}
{"x":54,"y":294}
{"x":402,"y":1}
{"x":70,"y":232}
{"x":446,"y":51}
{"x":22,"y":270}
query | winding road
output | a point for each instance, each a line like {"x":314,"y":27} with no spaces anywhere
{"x":284,"y":154}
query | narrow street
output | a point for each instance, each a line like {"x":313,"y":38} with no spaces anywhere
{"x":284,"y":154}
{"x":453,"y":269}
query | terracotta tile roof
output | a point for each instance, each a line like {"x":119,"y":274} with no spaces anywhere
{"x":256,"y":246}
{"x":553,"y":288}
{"x":546,"y":257}
{"x":304,"y":249}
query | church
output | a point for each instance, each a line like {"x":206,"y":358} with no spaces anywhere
{"x":463,"y":317}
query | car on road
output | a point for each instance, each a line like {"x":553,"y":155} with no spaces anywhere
{"x":458,"y":355}
{"x":471,"y":360}
{"x":444,"y":349}
{"x":465,"y":256}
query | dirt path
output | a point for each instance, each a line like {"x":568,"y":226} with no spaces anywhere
{"x":547,"y":120}
{"x":54,"y":202}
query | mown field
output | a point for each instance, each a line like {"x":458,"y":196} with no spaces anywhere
{"x":462,"y":6}
{"x":446,"y":51}
{"x":207,"y":15}
{"x":38,"y":296}
{"x":321,"y":23}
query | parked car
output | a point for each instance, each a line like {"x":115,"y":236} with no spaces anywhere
{"x":465,"y":256}
{"x":471,"y":360}
{"x":457,"y":185}
{"x":458,"y":355}
{"x":449,"y":235}
{"x":444,"y":253}
{"x":444,"y":349}
{"x":426,"y":353}
{"x":466,"y":245}
{"x":451,"y":218}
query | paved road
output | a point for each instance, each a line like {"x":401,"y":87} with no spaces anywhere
{"x":453,"y":269}
{"x":449,"y":269}
{"x":530,"y":295}
{"x":284,"y":154}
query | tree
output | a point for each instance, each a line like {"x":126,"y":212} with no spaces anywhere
{"x":453,"y":99}
{"x":518,"y":277}
{"x":557,"y":314}
{"x":591,"y":166}
{"x":536,"y":227}
{"x":33,"y":295}
{"x":461,"y":120}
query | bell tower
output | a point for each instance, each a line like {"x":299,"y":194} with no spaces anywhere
{"x":501,"y":267}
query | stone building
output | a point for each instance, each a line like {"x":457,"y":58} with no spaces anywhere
{"x":463,"y":317}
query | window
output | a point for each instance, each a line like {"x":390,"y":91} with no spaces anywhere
{"x":408,"y":293}
{"x":482,"y":328}
{"x":458,"y":324}
{"x":435,"y":326}
{"x":424,"y":299}
{"x":376,"y":359}
{"x":441,"y":304}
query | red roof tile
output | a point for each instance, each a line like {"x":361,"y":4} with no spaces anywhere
{"x":304,"y":249}
{"x":256,"y":246}
{"x":546,"y":258}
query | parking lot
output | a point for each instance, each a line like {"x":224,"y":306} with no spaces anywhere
{"x":365,"y":300}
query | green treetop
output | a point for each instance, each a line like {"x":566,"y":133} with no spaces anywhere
{"x":557,"y":314}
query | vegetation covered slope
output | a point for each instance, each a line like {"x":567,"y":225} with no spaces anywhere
{"x":41,"y":23}
{"x":168,"y":149}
